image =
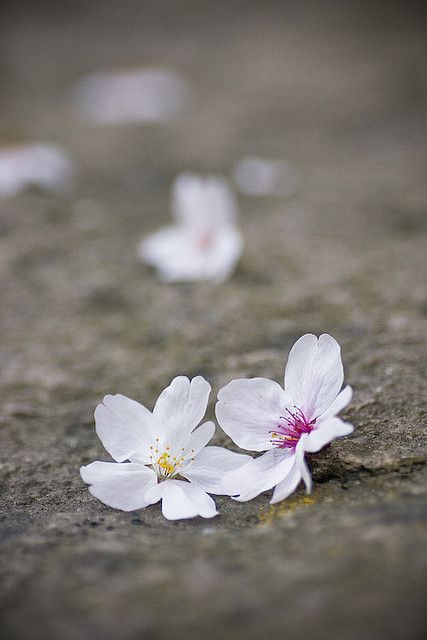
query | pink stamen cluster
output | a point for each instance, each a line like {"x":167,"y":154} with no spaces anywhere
{"x":287,"y":435}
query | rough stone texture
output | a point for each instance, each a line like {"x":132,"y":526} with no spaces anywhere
{"x":336,"y":88}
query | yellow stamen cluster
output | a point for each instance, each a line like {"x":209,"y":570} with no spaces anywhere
{"x":166,"y":465}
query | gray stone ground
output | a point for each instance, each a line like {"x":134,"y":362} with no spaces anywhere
{"x":338,"y":89}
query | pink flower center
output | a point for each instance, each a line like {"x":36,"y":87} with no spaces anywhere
{"x":290,"y":429}
{"x":205,"y":240}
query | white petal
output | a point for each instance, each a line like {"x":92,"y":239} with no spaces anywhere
{"x":211,"y":465}
{"x":248,"y":410}
{"x":182,"y":500}
{"x":44,"y":165}
{"x":224,"y":253}
{"x":154,"y":493}
{"x":202,"y":201}
{"x":314,"y":373}
{"x":180,"y":408}
{"x":326,"y":431}
{"x":301,"y":463}
{"x":164,"y":246}
{"x":340,"y":402}
{"x":124,"y":427}
{"x":200,"y":438}
{"x":183,"y":254}
{"x":121,"y":486}
{"x":258,"y":475}
{"x":287,"y":485}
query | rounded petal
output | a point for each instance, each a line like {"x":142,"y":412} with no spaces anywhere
{"x":211,"y":465}
{"x":326,"y":431}
{"x":121,"y":486}
{"x":299,"y":471}
{"x":202,"y":201}
{"x":124,"y":427}
{"x":340,"y":402}
{"x":154,"y":493}
{"x":287,"y":485}
{"x":181,"y":406}
{"x":165,"y":246}
{"x":224,"y":254}
{"x":301,"y":463}
{"x":199,"y":438}
{"x":182,"y":500}
{"x":314,"y":373}
{"x":248,"y":410}
{"x":258,"y":475}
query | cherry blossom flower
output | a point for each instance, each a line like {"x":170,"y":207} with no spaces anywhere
{"x":259,"y":415}
{"x":205,"y":243}
{"x":132,"y":95}
{"x":43,"y":165}
{"x":160,"y":455}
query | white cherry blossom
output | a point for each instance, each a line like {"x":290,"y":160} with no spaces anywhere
{"x":43,"y":165}
{"x":134,"y":95}
{"x":259,"y":415}
{"x":204,"y":243}
{"x":160,"y":455}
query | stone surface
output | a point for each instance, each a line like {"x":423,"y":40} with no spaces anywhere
{"x":339,"y":94}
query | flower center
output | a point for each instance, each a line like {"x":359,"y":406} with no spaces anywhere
{"x":167,"y":465}
{"x":205,"y":240}
{"x":290,"y":429}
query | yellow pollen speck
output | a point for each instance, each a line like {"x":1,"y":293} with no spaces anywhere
{"x":280,"y":509}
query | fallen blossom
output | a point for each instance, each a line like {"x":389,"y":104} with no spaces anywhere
{"x":259,"y":415}
{"x":204,"y":243}
{"x":160,"y":455}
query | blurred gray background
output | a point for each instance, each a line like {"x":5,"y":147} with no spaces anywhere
{"x":338,"y":89}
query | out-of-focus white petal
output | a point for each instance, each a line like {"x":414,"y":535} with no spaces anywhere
{"x":125,"y":428}
{"x":163,"y":246}
{"x":199,"y":438}
{"x":211,"y":465}
{"x":180,"y":407}
{"x":258,"y":475}
{"x":327,"y":430}
{"x":262,"y":176}
{"x":340,"y":402}
{"x":226,"y":249}
{"x":43,"y":165}
{"x":135,"y":95}
{"x":203,"y":202}
{"x":182,"y":500}
{"x":314,"y":373}
{"x":183,"y":254}
{"x":248,"y":410}
{"x":121,"y":486}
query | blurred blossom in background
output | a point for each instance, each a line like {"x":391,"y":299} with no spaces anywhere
{"x":204,"y":243}
{"x":45,"y":166}
{"x":132,"y":95}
